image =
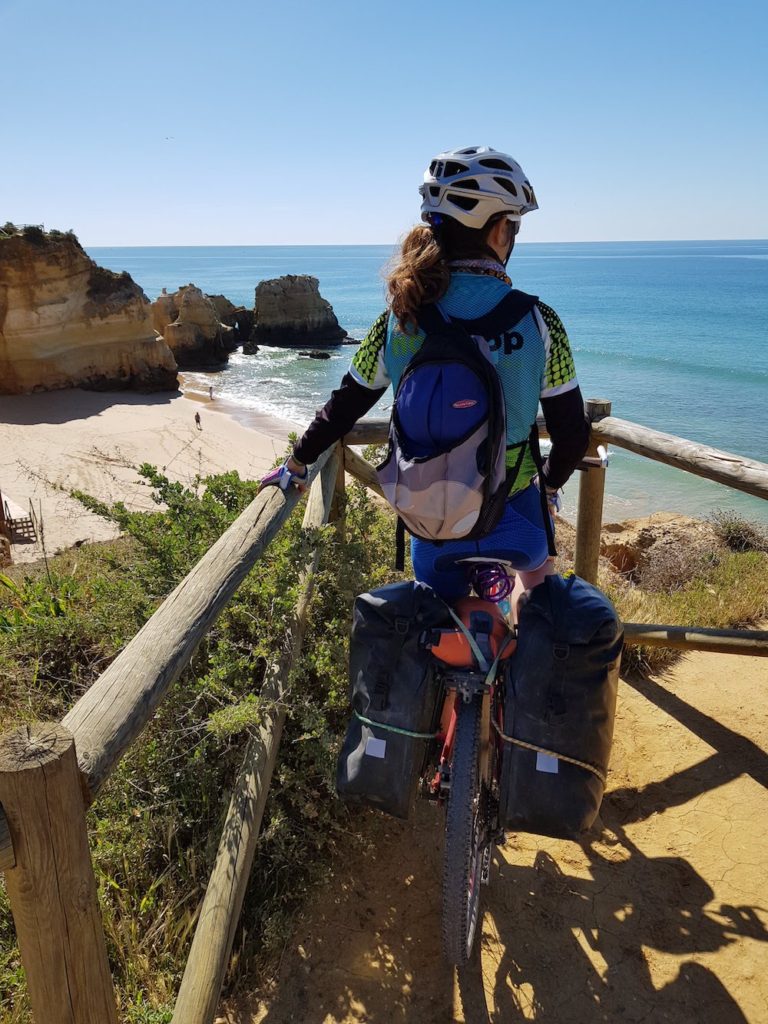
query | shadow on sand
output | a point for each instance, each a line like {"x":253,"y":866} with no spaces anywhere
{"x":557,"y":946}
{"x":71,"y":404}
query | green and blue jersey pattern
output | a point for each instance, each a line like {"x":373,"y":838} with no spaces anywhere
{"x":540,"y":365}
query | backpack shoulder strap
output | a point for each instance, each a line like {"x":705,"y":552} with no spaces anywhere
{"x":506,"y":314}
{"x":432,"y":319}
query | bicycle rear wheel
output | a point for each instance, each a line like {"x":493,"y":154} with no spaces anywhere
{"x":464,"y":828}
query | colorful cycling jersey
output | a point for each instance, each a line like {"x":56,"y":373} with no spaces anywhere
{"x":533,"y":358}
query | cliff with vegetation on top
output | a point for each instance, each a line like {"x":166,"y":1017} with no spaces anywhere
{"x":66,"y":322}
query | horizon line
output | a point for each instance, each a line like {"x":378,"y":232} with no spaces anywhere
{"x":364,"y":245}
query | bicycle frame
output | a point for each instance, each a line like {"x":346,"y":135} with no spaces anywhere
{"x":458,"y":684}
{"x":467,"y":775}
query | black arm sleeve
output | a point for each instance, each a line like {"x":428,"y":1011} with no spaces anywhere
{"x":343,"y":409}
{"x":569,"y":432}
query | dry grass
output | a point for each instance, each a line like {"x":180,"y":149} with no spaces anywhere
{"x":737,"y":533}
{"x":730,"y":591}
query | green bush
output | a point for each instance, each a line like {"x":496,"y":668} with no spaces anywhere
{"x":34,"y":233}
{"x":155,"y":826}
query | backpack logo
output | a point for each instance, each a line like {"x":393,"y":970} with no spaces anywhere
{"x":465,"y":403}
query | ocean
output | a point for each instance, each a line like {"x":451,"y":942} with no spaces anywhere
{"x":675,"y":334}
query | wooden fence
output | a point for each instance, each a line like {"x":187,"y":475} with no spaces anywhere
{"x":50,"y":773}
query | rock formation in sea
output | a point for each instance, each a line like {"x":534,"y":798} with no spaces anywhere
{"x":238,"y":318}
{"x":66,"y":322}
{"x":291,"y":311}
{"x":190,"y":323}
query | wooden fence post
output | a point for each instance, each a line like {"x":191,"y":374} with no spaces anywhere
{"x":338,"y":516}
{"x":52,"y":889}
{"x":589,"y":518}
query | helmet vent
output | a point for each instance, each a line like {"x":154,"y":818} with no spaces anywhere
{"x":497,"y":165}
{"x":507,"y":184}
{"x":467,"y":183}
{"x":434,"y":191}
{"x":452,"y":167}
{"x":470,"y":151}
{"x":463,"y":202}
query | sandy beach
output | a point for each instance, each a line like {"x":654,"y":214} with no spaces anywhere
{"x":54,"y":442}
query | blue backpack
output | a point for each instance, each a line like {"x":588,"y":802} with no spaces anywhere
{"x":445,"y":473}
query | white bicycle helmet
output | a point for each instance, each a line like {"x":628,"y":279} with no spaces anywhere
{"x":473,"y":184}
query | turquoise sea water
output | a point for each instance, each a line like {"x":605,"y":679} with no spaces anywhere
{"x":674,"y":333}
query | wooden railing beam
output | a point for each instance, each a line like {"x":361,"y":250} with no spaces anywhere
{"x":361,"y":470}
{"x":742,"y":474}
{"x":694,"y":638}
{"x":208,"y":958}
{"x":111,"y":714}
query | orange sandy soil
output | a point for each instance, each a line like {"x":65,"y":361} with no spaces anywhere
{"x":660,"y":916}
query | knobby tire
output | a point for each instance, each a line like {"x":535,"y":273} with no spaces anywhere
{"x":463,"y":858}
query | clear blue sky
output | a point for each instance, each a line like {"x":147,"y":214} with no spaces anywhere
{"x":294,"y":122}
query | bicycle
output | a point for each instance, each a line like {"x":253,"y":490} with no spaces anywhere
{"x":466,"y":777}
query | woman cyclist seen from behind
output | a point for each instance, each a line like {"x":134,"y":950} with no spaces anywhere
{"x":473,"y":200}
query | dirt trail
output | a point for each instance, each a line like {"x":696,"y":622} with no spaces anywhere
{"x":661,"y":917}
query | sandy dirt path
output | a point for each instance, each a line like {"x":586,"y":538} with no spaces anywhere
{"x":661,"y":917}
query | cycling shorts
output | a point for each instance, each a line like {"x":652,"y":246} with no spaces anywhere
{"x":519,"y":538}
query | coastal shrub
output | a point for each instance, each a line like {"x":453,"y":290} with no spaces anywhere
{"x":34,"y":233}
{"x":155,"y":826}
{"x":737,"y":533}
{"x":673,"y":566}
{"x":730,"y":591}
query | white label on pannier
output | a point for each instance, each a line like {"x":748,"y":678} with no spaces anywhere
{"x":544,"y":763}
{"x":377,"y":748}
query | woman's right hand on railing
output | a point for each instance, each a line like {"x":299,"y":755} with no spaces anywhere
{"x":291,"y":473}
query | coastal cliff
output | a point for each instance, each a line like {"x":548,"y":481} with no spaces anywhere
{"x":291,"y":311}
{"x":190,"y":324}
{"x":66,"y":322}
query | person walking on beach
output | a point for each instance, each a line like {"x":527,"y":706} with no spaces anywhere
{"x":197,"y":421}
{"x":473,"y":200}
{"x":210,"y":393}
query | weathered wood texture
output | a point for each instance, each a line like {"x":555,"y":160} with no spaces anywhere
{"x":361,"y":470}
{"x":693,"y":638}
{"x":7,"y":856}
{"x":111,"y":714}
{"x":52,"y":890}
{"x":723,"y":467}
{"x":338,"y":506}
{"x":589,"y":517}
{"x":206,"y":967}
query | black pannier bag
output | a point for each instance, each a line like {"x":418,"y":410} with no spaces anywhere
{"x":559,"y":696}
{"x":394,"y":689}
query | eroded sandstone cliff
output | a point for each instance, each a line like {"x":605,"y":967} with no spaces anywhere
{"x":291,"y":311}
{"x":66,"y":322}
{"x":196,"y":336}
